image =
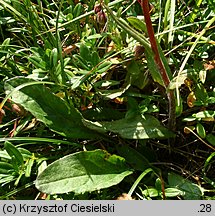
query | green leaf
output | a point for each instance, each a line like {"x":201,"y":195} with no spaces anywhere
{"x":136,"y":183}
{"x":5,"y":168}
{"x":150,"y":192}
{"x":42,"y":167}
{"x":173,"y":192}
{"x":211,"y":139}
{"x":102,"y":113}
{"x":202,"y":75}
{"x":207,"y":162}
{"x":195,"y":10}
{"x":135,"y":76}
{"x":4,"y":178}
{"x":164,"y":61}
{"x":189,"y":119}
{"x":38,"y":62}
{"x":25,"y":153}
{"x":104,"y":67}
{"x":106,"y":83}
{"x":153,"y":68}
{"x":95,"y":58}
{"x":85,"y":53}
{"x":4,"y":155}
{"x":179,"y":107}
{"x":132,"y":32}
{"x":29,"y":165}
{"x":158,"y":184}
{"x":4,"y":46}
{"x":136,"y":23}
{"x":111,"y":94}
{"x":177,"y":81}
{"x":83,"y":172}
{"x":14,"y":152}
{"x":49,"y":109}
{"x":81,"y":62}
{"x":138,"y":127}
{"x":77,"y":10}
{"x":54,"y":57}
{"x":138,"y":162}
{"x":200,"y":130}
{"x":201,"y":93}
{"x":191,"y":190}
{"x":204,"y":114}
{"x":94,"y":36}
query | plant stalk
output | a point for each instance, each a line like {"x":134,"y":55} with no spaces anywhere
{"x":170,"y":93}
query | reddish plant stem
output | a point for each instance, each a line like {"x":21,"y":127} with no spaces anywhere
{"x":170,"y":94}
{"x":150,"y":30}
{"x":163,"y":187}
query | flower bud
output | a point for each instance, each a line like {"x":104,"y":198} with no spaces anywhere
{"x":101,"y":17}
{"x":97,"y":8}
{"x":138,"y":51}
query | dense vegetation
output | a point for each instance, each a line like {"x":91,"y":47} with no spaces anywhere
{"x":93,"y":107}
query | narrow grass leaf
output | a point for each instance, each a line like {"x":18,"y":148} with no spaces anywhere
{"x":195,"y":10}
{"x":13,"y":10}
{"x":138,"y":24}
{"x":171,"y":21}
{"x":14,"y":152}
{"x":5,"y":168}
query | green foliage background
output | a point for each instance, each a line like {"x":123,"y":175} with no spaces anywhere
{"x":84,"y":110}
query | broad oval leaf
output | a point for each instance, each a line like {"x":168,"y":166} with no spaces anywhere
{"x":138,"y":127}
{"x":53,"y":111}
{"x":211,"y":139}
{"x":83,"y":172}
{"x":190,"y":190}
{"x":200,"y":130}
